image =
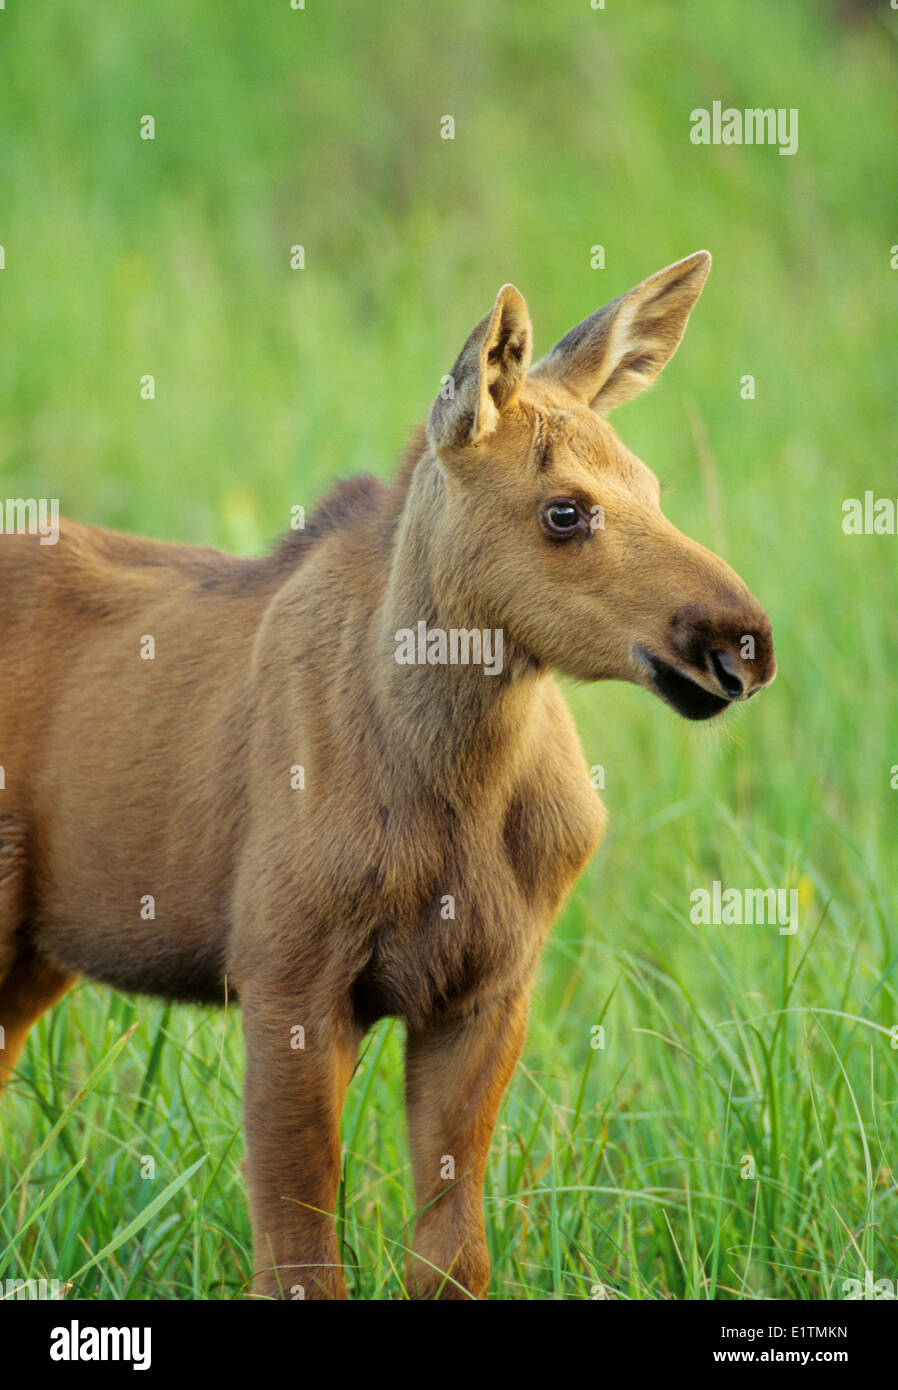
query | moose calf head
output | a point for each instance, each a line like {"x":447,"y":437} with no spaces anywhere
{"x":552,"y":529}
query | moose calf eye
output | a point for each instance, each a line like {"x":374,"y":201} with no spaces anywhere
{"x":561,"y":518}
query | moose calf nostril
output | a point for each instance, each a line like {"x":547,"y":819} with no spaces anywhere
{"x":727,"y":673}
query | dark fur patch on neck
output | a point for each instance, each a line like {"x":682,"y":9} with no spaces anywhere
{"x":344,"y":506}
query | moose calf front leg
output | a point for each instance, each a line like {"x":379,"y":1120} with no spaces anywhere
{"x":455,"y":1079}
{"x":299,"y":1063}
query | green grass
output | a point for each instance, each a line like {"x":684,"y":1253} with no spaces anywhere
{"x":618,"y":1168}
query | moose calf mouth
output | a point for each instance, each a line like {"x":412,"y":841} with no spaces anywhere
{"x":686,"y":696}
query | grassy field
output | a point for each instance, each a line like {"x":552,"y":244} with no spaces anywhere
{"x":735,"y":1136}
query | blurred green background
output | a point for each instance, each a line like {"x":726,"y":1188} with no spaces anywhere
{"x":618,"y":1170}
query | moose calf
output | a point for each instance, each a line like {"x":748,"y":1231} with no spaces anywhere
{"x":300,"y":804}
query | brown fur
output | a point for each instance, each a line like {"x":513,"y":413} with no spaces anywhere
{"x":321,"y":906}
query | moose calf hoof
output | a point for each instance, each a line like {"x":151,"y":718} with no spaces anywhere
{"x":465,"y":1277}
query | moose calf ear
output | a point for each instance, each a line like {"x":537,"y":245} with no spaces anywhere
{"x":484,"y":381}
{"x":619,"y":350}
